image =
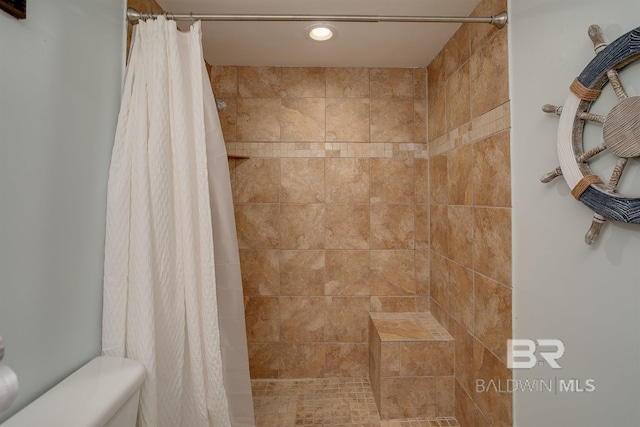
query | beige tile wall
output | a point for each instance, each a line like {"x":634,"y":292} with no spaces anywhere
{"x":470,"y":211}
{"x":276,"y":112}
{"x":331,"y":208}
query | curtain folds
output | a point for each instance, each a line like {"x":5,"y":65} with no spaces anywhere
{"x":172,"y":285}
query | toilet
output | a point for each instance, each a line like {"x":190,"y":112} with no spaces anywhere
{"x":103,"y":393}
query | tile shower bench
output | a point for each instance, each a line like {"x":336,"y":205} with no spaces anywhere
{"x":411,"y":363}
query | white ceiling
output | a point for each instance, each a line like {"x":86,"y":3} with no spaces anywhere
{"x":356,"y":44}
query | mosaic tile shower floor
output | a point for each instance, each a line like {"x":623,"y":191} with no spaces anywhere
{"x":328,"y":402}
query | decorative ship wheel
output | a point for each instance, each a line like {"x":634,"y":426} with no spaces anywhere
{"x":620,"y":131}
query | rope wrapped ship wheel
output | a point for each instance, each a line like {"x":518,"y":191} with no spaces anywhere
{"x":620,"y":131}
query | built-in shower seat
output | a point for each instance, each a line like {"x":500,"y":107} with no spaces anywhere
{"x":411,"y":365}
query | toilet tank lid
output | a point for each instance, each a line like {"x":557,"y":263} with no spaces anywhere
{"x":88,"y":397}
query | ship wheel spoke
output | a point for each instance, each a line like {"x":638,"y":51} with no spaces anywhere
{"x":548,"y":177}
{"x":592,"y":117}
{"x":589,"y":154}
{"x":594,"y":231}
{"x":616,"y":84}
{"x":598,"y":220}
{"x":616,"y":174}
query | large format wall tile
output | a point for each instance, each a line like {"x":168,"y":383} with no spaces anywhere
{"x":439,"y":313}
{"x":439,"y":229}
{"x":302,"y":226}
{"x":347,"y":319}
{"x":461,"y":296}
{"x":422,"y":181}
{"x":302,"y":180}
{"x":460,"y":174}
{"x":347,"y":180}
{"x":258,"y":119}
{"x":491,"y":59}
{"x":457,"y":51}
{"x":303,"y":119}
{"x":264,"y":360}
{"x":347,"y":227}
{"x":224,"y":81}
{"x":337,"y":168}
{"x":392,"y":181}
{"x":391,"y":120}
{"x":445,"y":395}
{"x":347,"y":360}
{"x":421,"y":230}
{"x":436,"y":75}
{"x":463,"y":356}
{"x":302,"y":319}
{"x":479,"y":34}
{"x":392,"y":304}
{"x":481,"y":420}
{"x":260,"y":272}
{"x":408,"y":397}
{"x":228,"y":119}
{"x":302,"y":360}
{"x":420,"y":121}
{"x":259,"y":82}
{"x":302,"y":273}
{"x":437,"y":103}
{"x":392,"y":226}
{"x":419,"y":83}
{"x":257,"y":226}
{"x":391,"y":82}
{"x":347,"y":119}
{"x":262,"y":319}
{"x":470,"y":192}
{"x":492,"y":171}
{"x":440,"y":281}
{"x":492,"y":315}
{"x":347,"y":272}
{"x":257,"y":181}
{"x":392,"y":272}
{"x":389,"y":359}
{"x":347,"y":82}
{"x":438,"y":355}
{"x":460,"y":234}
{"x":496,"y":406}
{"x":492,"y":243}
{"x":439,"y":179}
{"x":422,"y":272}
{"x":303,"y":82}
{"x":465,"y":411}
{"x":457,"y":109}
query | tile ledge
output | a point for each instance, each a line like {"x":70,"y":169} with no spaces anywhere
{"x":408,"y":326}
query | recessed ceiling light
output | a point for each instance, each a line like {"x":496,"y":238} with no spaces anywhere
{"x":321,"y":32}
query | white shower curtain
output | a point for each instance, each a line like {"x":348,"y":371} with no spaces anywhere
{"x":172,"y":286}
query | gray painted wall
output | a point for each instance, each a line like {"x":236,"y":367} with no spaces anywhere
{"x":589,"y":297}
{"x":60,"y":85}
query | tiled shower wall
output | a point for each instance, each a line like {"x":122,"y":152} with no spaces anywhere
{"x":470,"y":211}
{"x":331,"y":208}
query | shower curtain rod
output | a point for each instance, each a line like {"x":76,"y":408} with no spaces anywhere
{"x":499,"y":20}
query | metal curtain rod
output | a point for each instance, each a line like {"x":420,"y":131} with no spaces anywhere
{"x":499,"y":20}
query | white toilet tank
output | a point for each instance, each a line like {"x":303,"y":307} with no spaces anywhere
{"x":103,"y":393}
